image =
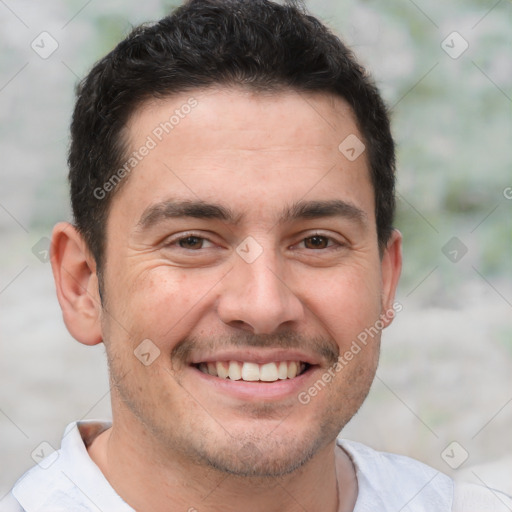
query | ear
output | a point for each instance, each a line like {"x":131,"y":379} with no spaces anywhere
{"x":74,"y":272}
{"x":391,"y":267}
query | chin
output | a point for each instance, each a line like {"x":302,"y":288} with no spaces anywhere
{"x":261,"y":452}
{"x":262,"y":459}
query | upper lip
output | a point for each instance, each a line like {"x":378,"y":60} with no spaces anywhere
{"x":259,"y":356}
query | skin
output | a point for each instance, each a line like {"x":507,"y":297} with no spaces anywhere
{"x":178,"y":440}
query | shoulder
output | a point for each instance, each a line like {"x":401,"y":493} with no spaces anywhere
{"x":396,"y":482}
{"x":389,"y":482}
{"x":471,"y":497}
{"x":10,"y":504}
{"x":66,"y":479}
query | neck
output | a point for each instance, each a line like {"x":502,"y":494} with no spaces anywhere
{"x":144,"y":479}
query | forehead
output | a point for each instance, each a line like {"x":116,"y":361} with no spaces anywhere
{"x":248,"y":149}
{"x":281,"y":114}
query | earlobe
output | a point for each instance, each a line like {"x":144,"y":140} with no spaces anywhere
{"x":391,"y":267}
{"x":74,"y":272}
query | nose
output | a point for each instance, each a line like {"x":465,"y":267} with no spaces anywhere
{"x":257,"y":297}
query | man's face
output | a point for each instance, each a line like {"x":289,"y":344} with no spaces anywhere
{"x":266,"y":283}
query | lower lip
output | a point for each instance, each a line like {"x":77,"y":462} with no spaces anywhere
{"x":257,"y":391}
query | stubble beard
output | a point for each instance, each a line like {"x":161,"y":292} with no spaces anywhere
{"x":208,"y":445}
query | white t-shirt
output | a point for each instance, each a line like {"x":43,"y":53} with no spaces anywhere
{"x":68,"y":480}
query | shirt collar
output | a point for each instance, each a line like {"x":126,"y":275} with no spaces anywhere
{"x":69,"y":479}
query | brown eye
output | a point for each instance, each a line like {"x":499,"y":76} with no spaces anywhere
{"x":316,"y":242}
{"x":191,"y":242}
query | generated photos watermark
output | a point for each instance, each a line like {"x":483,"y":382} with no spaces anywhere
{"x":157,"y":135}
{"x":344,"y":360}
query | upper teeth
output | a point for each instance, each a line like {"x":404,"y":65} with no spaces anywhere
{"x":268,"y":372}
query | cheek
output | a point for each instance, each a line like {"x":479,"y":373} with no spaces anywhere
{"x":160,"y":303}
{"x":346,"y":301}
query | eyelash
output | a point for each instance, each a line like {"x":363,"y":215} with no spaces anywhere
{"x":334,"y":245}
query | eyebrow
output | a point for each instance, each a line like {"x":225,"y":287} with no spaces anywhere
{"x":301,"y":210}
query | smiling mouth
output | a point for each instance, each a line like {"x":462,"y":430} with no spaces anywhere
{"x":254,"y":372}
